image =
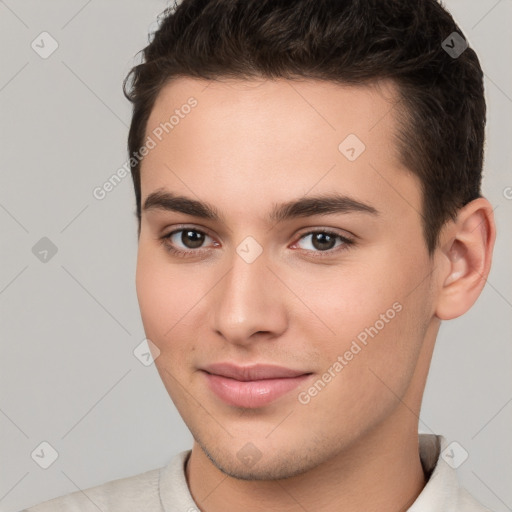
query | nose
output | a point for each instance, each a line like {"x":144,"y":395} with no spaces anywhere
{"x":249,"y":302}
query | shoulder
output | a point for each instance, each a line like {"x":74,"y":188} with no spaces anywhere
{"x":137,"y":492}
{"x":467,"y":503}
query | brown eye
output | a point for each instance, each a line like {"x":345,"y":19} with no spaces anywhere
{"x":185,"y":241}
{"x":324,"y":241}
{"x":191,"y":238}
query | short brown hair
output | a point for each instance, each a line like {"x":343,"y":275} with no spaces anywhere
{"x":443,"y":110}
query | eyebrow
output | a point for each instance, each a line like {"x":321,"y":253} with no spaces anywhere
{"x":326,"y":204}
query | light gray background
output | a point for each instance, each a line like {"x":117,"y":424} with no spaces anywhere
{"x":70,"y":325}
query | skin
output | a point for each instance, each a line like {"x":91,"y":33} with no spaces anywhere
{"x":246,"y":146}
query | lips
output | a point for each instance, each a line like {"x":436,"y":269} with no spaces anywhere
{"x":251,"y":386}
{"x":255,"y":372}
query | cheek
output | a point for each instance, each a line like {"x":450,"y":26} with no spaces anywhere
{"x":151,"y":288}
{"x":350,"y":298}
{"x":376,"y":315}
{"x":156,"y":292}
{"x":369,"y":365}
{"x":169,"y":297}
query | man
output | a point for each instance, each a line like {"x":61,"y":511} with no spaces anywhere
{"x":307,"y":177}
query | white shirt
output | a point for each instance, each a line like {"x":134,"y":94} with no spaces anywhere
{"x":166,"y":489}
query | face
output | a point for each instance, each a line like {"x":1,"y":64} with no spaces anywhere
{"x":337,"y":290}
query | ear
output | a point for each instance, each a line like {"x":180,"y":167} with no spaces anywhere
{"x":465,"y":259}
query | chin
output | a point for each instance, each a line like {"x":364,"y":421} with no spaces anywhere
{"x":284,"y":463}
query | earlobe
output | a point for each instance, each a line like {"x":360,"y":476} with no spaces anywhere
{"x":467,"y":257}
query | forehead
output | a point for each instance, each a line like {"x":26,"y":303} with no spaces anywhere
{"x":325,"y":108}
{"x":266,"y":139}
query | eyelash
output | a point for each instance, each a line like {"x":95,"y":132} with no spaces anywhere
{"x":165,"y":241}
